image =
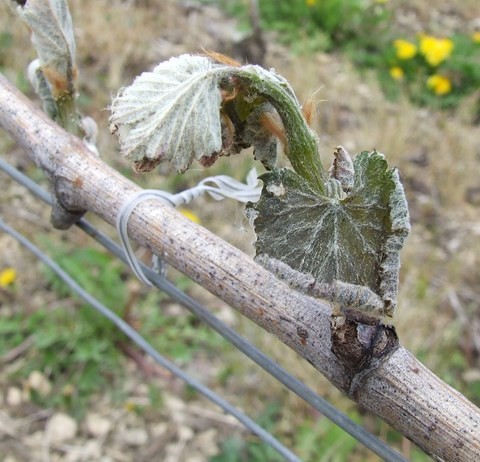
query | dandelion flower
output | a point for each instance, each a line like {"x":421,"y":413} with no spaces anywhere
{"x":129,"y":406}
{"x":7,"y":277}
{"x":396,"y":73}
{"x":310,"y":2}
{"x":405,"y":49}
{"x":476,"y":36}
{"x":435,"y":50}
{"x":439,"y":84}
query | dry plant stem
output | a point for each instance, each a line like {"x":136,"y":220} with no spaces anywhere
{"x":426,"y":405}
{"x":388,"y":380}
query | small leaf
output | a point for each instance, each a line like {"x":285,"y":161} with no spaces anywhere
{"x":354,"y":237}
{"x":54,"y":41}
{"x":342,"y":169}
{"x":42,"y":88}
{"x":264,"y":130}
{"x":172,"y":113}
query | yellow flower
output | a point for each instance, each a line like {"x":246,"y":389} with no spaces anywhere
{"x":439,"y":84}
{"x":396,"y":73}
{"x":129,"y":406}
{"x":7,"y":277}
{"x":190,"y":215}
{"x":476,"y":36}
{"x":310,"y":2}
{"x":405,"y":49}
{"x":435,"y":50}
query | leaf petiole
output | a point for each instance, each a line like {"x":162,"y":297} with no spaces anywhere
{"x":302,"y":145}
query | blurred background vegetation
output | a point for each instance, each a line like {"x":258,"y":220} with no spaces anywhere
{"x":401,"y":77}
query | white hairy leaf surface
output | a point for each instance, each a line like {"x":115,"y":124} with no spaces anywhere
{"x":354,"y":237}
{"x":53,"y":38}
{"x":171,"y":113}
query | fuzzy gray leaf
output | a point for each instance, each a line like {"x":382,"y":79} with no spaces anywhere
{"x":172,"y":113}
{"x":354,"y":238}
{"x":54,"y":40}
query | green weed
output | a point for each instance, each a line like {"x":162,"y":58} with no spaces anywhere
{"x":327,"y":25}
{"x":322,"y":440}
{"x":253,"y":450}
{"x":77,"y":348}
{"x":433,"y":71}
{"x":363,"y":31}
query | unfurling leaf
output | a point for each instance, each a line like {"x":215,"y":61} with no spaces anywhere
{"x":42,"y":88}
{"x":265,"y":131}
{"x":342,"y":169}
{"x":171,"y":113}
{"x":351,"y":234}
{"x":54,"y":41}
{"x":193,"y":107}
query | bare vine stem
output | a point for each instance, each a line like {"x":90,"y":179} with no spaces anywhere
{"x":159,"y":281}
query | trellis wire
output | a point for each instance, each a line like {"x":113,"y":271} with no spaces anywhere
{"x":133,"y":335}
{"x":367,"y":439}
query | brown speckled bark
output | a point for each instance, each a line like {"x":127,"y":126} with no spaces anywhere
{"x":363,"y":360}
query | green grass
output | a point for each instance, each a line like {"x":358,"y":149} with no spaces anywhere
{"x":245,"y":450}
{"x":77,"y":348}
